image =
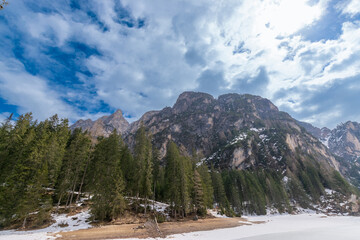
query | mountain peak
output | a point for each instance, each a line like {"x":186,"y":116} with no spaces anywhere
{"x":187,"y":99}
{"x":118,"y":112}
{"x":104,"y":125}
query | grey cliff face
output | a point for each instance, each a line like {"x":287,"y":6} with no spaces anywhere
{"x":104,"y":125}
{"x":232,"y":131}
{"x":344,"y":141}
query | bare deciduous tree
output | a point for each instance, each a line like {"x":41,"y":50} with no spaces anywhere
{"x":3,"y":3}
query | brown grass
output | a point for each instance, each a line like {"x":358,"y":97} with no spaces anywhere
{"x":148,"y":229}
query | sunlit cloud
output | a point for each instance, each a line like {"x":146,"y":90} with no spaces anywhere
{"x":97,"y":56}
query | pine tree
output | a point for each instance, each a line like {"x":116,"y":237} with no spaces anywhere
{"x":74,"y":166}
{"x":128,"y":169}
{"x":5,"y":134}
{"x":199,"y":194}
{"x":143,"y":161}
{"x":107,"y":180}
{"x":185,"y":175}
{"x":172,"y":159}
{"x":203,"y":170}
{"x":178,"y":176}
{"x":219,"y":192}
{"x":33,"y":153}
{"x":157,"y":174}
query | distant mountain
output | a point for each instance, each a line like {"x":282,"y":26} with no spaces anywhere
{"x":104,"y":125}
{"x":243,"y":132}
{"x":322,"y":134}
{"x":344,"y":142}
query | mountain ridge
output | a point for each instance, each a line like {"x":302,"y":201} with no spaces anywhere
{"x":246,"y":133}
{"x":344,"y":142}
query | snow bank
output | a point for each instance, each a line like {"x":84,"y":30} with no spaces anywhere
{"x":157,"y":206}
{"x":217,"y":214}
{"x":62,"y":223}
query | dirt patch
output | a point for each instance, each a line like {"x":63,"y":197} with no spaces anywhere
{"x":149,"y":229}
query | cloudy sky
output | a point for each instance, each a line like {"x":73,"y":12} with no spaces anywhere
{"x":83,"y":59}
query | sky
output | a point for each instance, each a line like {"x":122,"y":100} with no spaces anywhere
{"x":84,"y":59}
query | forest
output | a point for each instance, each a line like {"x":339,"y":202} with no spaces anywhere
{"x":45,"y":166}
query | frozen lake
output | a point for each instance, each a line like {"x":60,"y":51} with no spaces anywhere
{"x":289,"y":227}
{"x":275,"y":227}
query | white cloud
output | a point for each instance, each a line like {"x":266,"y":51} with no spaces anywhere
{"x":30,"y":93}
{"x":152,"y":61}
{"x":217,"y":46}
{"x":352,"y":8}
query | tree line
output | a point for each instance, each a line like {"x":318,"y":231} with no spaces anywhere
{"x":45,"y":166}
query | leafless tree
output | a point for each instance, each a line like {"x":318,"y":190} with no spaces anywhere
{"x":3,"y":3}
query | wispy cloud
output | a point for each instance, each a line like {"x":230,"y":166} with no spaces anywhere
{"x":96,"y":56}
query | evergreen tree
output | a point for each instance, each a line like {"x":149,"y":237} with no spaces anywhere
{"x":199,"y":194}
{"x":74,"y":166}
{"x":5,"y":134}
{"x":33,"y":153}
{"x":107,"y":180}
{"x":172,"y":159}
{"x":219,"y":192}
{"x":178,"y":174}
{"x":203,"y":170}
{"x":129,"y":171}
{"x":158,"y":176}
{"x":143,"y":165}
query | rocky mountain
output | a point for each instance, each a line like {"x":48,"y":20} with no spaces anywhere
{"x":233,"y":131}
{"x":344,"y":142}
{"x":243,"y":132}
{"x":322,"y":134}
{"x":104,"y":125}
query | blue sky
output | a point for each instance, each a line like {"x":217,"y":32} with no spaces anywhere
{"x":84,"y":59}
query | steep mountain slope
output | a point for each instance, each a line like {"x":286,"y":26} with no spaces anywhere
{"x":233,"y":127}
{"x":344,"y":142}
{"x":248,"y":133}
{"x":104,"y":125}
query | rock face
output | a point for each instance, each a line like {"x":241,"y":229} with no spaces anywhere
{"x":104,"y":125}
{"x":344,"y":142}
{"x":249,"y":133}
{"x":234,"y":131}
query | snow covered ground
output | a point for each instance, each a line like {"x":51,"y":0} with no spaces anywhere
{"x":276,"y":227}
{"x":216,"y":214}
{"x":63,"y":223}
{"x":281,"y":227}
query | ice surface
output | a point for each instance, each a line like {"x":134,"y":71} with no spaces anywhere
{"x":275,"y":227}
{"x":281,"y":227}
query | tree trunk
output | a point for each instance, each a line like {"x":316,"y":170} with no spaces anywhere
{"x":145,"y":206}
{"x":24,"y":223}
{"x":58,"y":204}
{"x":67,"y":201}
{"x":137,"y":202}
{"x":72,"y":193}
{"x":82,"y":180}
